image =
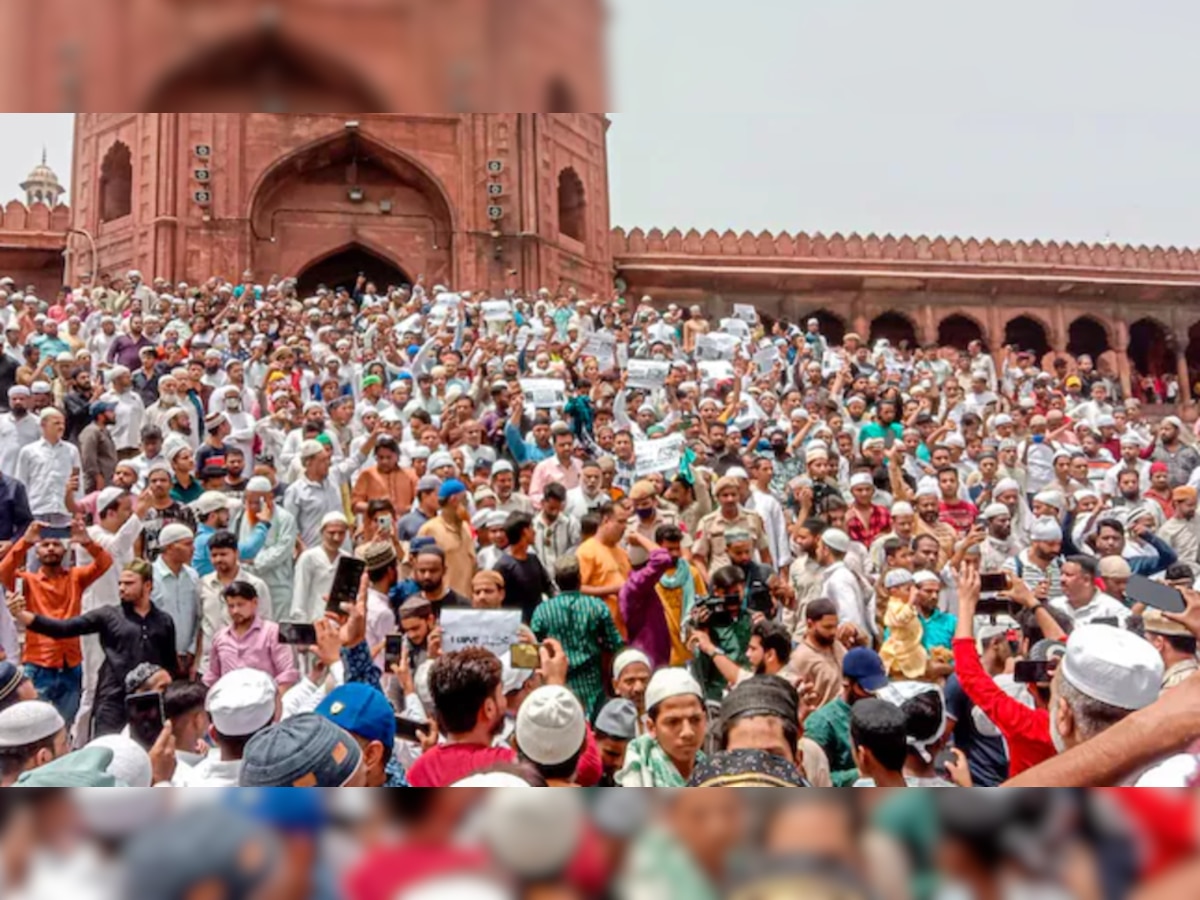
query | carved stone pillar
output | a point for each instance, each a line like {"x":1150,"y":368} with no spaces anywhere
{"x":1122,"y":351}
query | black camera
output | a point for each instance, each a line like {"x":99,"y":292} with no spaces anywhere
{"x":758,"y":598}
{"x":716,"y":617}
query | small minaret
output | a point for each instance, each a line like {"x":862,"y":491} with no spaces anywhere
{"x":42,"y":185}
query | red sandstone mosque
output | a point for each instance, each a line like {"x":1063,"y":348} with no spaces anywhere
{"x":497,"y":200}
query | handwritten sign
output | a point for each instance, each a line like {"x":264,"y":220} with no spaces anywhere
{"x":745,"y":312}
{"x":658,"y":455}
{"x":491,"y":629}
{"x":496,"y":310}
{"x":601,"y":346}
{"x":716,"y":346}
{"x":544,"y":393}
{"x":646,"y":373}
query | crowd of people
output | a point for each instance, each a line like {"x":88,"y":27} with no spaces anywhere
{"x":602,"y":542}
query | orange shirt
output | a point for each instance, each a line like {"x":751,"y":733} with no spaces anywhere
{"x":56,"y":597}
{"x":399,"y":486}
{"x":601,"y":566}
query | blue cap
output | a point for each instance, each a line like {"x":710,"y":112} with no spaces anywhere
{"x":101,"y":406}
{"x":362,"y":711}
{"x":450,"y":487}
{"x":865,"y":667}
{"x":284,"y":808}
{"x":421,"y":542}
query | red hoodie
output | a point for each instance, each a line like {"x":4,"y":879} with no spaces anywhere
{"x":1027,"y":731}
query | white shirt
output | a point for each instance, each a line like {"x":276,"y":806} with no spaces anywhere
{"x":580,"y":504}
{"x":1101,"y":606}
{"x":131,"y":415}
{"x":212,"y":771}
{"x":104,"y":591}
{"x":775,"y":524}
{"x":839,"y":585}
{"x":313,"y":581}
{"x":16,"y":434}
{"x":44,"y":469}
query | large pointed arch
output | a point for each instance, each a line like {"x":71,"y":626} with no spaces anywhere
{"x":1151,"y":347}
{"x":1026,"y":332}
{"x":339,"y":267}
{"x":958,"y":330}
{"x":263,"y":71}
{"x":1087,"y":334}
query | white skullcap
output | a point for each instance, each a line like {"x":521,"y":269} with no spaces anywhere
{"x":551,"y":726}
{"x":928,"y":487}
{"x":859,"y":478}
{"x":902,"y":508}
{"x":812,"y":454}
{"x":130,"y":763}
{"x":1113,"y":666}
{"x":954,"y":439}
{"x":258,"y":485}
{"x":1046,"y":529}
{"x":737,"y":472}
{"x":627,"y":658}
{"x":334,"y":518}
{"x":1051,"y":498}
{"x":836,"y":540}
{"x":924,"y":576}
{"x":1130,"y":440}
{"x":897,"y":578}
{"x":440,"y":460}
{"x":995,"y":509}
{"x":173,"y":534}
{"x":492,"y":780}
{"x":668,"y":683}
{"x":1006,"y":484}
{"x":1087,"y":493}
{"x":242,"y":702}
{"x":1001,"y":420}
{"x":501,"y":465}
{"x":310,"y":448}
{"x":107,"y":498}
{"x":116,"y":372}
{"x":28,"y":722}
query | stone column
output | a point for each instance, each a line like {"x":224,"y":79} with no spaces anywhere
{"x":1122,"y":351}
{"x":1181,"y":366}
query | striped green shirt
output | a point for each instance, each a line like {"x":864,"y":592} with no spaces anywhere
{"x":585,"y":628}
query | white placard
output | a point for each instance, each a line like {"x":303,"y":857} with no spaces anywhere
{"x":716,"y":346}
{"x":745,"y":312}
{"x":766,"y":359}
{"x":491,"y":629}
{"x":451,"y":300}
{"x":496,"y":310}
{"x":544,"y":393}
{"x":658,"y":455}
{"x":646,"y":373}
{"x":715,"y":370}
{"x":601,"y":346}
{"x":735,"y":327}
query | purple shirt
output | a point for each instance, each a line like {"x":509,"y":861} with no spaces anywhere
{"x":642,"y":610}
{"x":258,"y":648}
{"x":124,"y":351}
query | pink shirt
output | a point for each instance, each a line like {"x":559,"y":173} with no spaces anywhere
{"x":550,"y":470}
{"x":258,"y":648}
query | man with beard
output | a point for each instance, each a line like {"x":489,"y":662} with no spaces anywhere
{"x":248,"y":642}
{"x":1181,"y":458}
{"x":468,"y":693}
{"x":429,"y":572}
{"x":863,"y":676}
{"x":229,"y":400}
{"x":213,"y":450}
{"x":97,"y":452}
{"x":817,"y":660}
{"x":77,"y":402}
{"x":998,"y":546}
{"x":212,"y":515}
{"x":426,"y":508}
{"x":126,"y":348}
{"x":787,"y":464}
{"x":929,"y":518}
{"x":724,"y":457}
{"x":768,"y":653}
{"x":131,"y":412}
{"x":145,"y":379}
{"x":18,"y":428}
{"x":170,"y":404}
{"x":1182,"y":531}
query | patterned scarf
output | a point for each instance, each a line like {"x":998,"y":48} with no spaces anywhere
{"x":681,"y":579}
{"x":647,"y":765}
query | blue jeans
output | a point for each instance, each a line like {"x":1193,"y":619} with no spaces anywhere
{"x":61,"y":688}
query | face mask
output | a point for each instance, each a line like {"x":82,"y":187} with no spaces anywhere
{"x":645,"y":514}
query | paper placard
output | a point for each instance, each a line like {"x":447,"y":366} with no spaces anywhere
{"x":715,"y":370}
{"x":496,"y":310}
{"x":491,"y":629}
{"x":646,"y":373}
{"x":716,"y":346}
{"x":544,"y":393}
{"x":601,"y":346}
{"x":766,"y":359}
{"x":735,"y":327}
{"x":658,"y":455}
{"x":451,"y":300}
{"x":745,"y":312}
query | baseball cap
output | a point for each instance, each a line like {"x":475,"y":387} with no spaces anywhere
{"x":866,"y":667}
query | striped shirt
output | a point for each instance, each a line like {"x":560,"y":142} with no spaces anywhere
{"x":585,"y":628}
{"x":1032,"y":575}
